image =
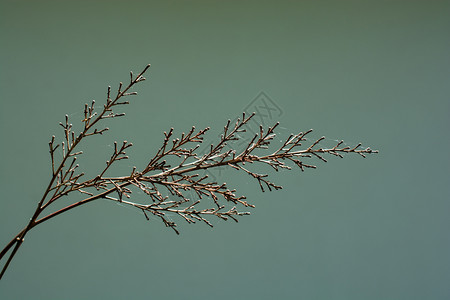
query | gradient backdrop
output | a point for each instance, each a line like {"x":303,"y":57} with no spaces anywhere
{"x":369,"y":71}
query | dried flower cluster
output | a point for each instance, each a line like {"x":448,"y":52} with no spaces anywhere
{"x":170,"y":186}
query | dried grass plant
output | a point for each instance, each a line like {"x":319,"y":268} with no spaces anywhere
{"x":180,"y":180}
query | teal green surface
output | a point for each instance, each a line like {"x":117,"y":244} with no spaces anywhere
{"x":369,"y":71}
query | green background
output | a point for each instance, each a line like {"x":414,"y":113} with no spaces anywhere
{"x":369,"y":71}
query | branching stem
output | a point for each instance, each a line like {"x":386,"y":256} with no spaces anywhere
{"x":168,"y":186}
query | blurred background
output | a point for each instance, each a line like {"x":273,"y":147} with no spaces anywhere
{"x":375,"y":72}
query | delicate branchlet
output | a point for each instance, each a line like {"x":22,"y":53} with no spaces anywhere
{"x":172,"y":188}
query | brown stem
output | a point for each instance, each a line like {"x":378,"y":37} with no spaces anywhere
{"x":19,"y":238}
{"x":18,"y":241}
{"x":69,"y":207}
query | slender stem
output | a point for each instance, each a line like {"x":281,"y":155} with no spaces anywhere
{"x":11,"y":243}
{"x":14,"y":241}
{"x":90,"y":199}
{"x":19,"y":238}
{"x":19,"y":242}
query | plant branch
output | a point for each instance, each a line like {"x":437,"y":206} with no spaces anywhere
{"x":171,"y":188}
